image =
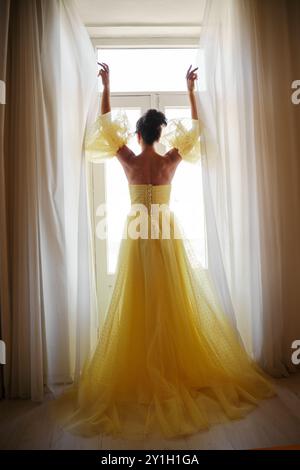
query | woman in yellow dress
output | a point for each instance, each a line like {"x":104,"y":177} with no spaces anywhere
{"x":168,"y":360}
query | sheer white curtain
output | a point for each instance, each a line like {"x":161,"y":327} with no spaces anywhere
{"x":251,"y":169}
{"x":49,"y":324}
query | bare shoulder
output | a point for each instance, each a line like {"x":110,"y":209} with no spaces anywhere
{"x":125,"y":155}
{"x":173,"y":156}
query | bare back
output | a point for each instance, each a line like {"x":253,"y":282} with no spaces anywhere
{"x":148,"y":168}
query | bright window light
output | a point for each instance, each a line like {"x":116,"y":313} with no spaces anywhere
{"x":150,"y":69}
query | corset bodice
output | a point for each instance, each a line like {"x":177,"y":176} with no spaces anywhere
{"x":148,"y":194}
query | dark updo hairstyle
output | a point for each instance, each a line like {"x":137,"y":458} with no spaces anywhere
{"x":149,"y":125}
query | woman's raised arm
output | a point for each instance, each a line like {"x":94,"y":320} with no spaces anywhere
{"x":191,"y":76}
{"x":104,"y":73}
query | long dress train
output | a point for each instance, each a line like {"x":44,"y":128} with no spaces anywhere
{"x":168,"y":361}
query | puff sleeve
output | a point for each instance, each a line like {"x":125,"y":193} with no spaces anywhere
{"x":105,"y":136}
{"x":183,"y":134}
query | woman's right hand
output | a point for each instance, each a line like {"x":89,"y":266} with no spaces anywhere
{"x":104,"y":74}
{"x":191,"y":76}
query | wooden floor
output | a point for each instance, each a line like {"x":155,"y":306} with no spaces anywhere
{"x":276,"y":422}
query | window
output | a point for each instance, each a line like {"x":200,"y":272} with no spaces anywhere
{"x":109,"y":185}
{"x":136,"y":70}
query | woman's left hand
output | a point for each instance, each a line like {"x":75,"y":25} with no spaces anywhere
{"x":191,"y":76}
{"x":104,"y":74}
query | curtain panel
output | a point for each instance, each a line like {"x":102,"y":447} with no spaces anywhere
{"x":251,"y":168}
{"x":47,"y":321}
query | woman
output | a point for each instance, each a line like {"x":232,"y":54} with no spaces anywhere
{"x":168,"y":361}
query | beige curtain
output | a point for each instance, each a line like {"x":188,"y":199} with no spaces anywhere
{"x":251,"y":168}
{"x":4,"y":286}
{"x":47,"y":320}
{"x":274,"y":38}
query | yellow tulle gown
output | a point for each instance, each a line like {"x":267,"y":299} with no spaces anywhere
{"x":168,"y":361}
